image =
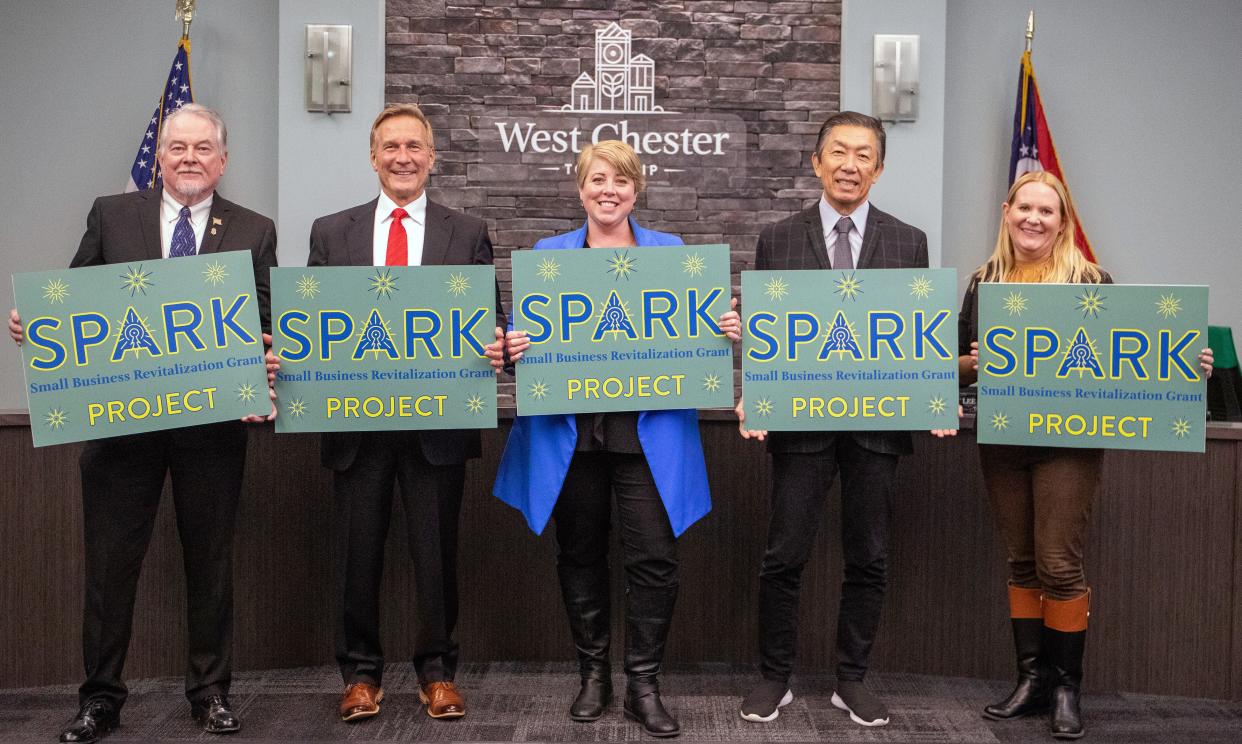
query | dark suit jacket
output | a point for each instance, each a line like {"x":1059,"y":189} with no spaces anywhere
{"x":126,"y":227}
{"x":797,"y":242}
{"x":347,"y":239}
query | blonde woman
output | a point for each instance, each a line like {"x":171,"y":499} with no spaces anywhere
{"x":569,"y":468}
{"x":1041,"y":497}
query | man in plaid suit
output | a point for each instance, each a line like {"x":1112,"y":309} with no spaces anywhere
{"x":842,"y":231}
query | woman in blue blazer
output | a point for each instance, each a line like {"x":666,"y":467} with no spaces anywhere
{"x":568,"y":467}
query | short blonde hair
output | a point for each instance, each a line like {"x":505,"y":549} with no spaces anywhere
{"x":403,"y":109}
{"x":619,"y":155}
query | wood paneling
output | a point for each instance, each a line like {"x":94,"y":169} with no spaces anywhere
{"x":1163,"y":558}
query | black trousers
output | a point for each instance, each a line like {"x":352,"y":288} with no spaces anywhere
{"x":583,"y":518}
{"x":801,"y":483}
{"x":122,"y":479}
{"x":431,"y":495}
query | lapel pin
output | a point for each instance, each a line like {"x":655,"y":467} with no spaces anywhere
{"x":213,"y":231}
{"x":217,"y":221}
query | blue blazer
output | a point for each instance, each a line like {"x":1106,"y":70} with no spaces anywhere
{"x":537,"y":455}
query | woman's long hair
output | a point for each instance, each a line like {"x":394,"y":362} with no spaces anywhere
{"x":1069,"y":265}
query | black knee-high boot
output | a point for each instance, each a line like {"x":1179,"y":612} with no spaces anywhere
{"x":585,"y":590}
{"x":1064,"y":640}
{"x":648,"y":614}
{"x":1030,"y":695}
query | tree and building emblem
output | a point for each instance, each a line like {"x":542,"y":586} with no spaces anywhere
{"x":623,"y":82}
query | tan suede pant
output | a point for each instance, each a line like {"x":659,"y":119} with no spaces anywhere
{"x":1041,"y":500}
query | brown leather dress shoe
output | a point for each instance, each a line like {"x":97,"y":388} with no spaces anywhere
{"x":361,"y":700}
{"x":442,"y":700}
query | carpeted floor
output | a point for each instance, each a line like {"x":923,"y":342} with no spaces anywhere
{"x":526,"y":702}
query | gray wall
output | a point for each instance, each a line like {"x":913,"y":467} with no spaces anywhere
{"x":80,"y":81}
{"x":324,"y":166}
{"x":910,"y":186}
{"x":1144,"y":100}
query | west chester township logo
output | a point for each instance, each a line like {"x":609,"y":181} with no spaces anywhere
{"x":623,"y":83}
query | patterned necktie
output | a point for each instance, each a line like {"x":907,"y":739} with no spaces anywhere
{"x":842,"y":256}
{"x":397,"y":242}
{"x":183,"y":237}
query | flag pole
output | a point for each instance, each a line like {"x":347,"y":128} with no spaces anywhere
{"x":185,"y":14}
{"x":1030,"y":30}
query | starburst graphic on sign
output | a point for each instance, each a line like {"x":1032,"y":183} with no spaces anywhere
{"x":1168,"y":306}
{"x":538,"y":390}
{"x":383,"y":284}
{"x":711,"y":383}
{"x":621,"y":265}
{"x":763,"y":407}
{"x":56,"y":291}
{"x":1091,"y":303}
{"x":458,"y":285}
{"x":56,"y":418}
{"x":307,"y":287}
{"x":694,"y":264}
{"x":475,"y":404}
{"x":921,"y":287}
{"x":246,"y":392}
{"x":849,"y":286}
{"x":1015,"y":303}
{"x":936,"y":405}
{"x":296,"y":408}
{"x":136,"y":280}
{"x":1181,"y":428}
{"x":215,"y":274}
{"x":548,"y":270}
{"x":776,"y":288}
{"x":1000,"y":421}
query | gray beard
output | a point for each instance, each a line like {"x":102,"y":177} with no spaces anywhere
{"x":187,"y":196}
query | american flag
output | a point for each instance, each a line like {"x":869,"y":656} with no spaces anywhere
{"x":1032,"y":148}
{"x":145,"y":173}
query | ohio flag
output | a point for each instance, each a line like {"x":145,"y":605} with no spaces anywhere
{"x":145,"y":172}
{"x":1032,"y":148}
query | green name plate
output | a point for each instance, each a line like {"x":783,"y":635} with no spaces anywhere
{"x":1092,"y":365}
{"x":868,"y":349}
{"x":369,"y":348}
{"x":625,"y":329}
{"x":141,"y":346}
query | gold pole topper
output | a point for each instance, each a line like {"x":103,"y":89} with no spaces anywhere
{"x":185,"y":14}
{"x":1030,"y":29}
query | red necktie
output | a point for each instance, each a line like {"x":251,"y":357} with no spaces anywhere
{"x":397,"y":251}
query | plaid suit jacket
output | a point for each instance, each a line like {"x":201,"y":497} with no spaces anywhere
{"x":797,"y":242}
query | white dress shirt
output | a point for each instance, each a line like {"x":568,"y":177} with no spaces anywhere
{"x":830,"y":217}
{"x":414,"y":223}
{"x":170,"y":212}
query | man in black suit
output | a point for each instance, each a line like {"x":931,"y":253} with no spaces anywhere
{"x":400,"y":227}
{"x":843,"y":230}
{"x":123,"y":477}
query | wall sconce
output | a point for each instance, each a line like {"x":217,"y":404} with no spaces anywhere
{"x":895,"y":77}
{"x":329,"y":68}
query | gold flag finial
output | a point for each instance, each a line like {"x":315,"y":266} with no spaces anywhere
{"x":1030,"y":29}
{"x":185,"y":14}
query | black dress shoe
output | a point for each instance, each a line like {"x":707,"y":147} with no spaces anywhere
{"x":94,"y":720}
{"x":215,"y":715}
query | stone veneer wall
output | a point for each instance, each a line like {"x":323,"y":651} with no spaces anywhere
{"x":773,"y":65}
